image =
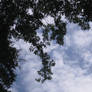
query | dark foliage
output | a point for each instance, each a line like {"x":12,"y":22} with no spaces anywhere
{"x":15,"y":12}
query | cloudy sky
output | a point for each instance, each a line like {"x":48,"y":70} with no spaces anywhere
{"x":73,"y":70}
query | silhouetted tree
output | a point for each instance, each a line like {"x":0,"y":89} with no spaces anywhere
{"x":16,"y":21}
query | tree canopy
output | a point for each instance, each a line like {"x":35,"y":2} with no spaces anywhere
{"x":16,"y":21}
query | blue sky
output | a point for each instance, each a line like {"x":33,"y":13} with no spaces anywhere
{"x":73,"y":70}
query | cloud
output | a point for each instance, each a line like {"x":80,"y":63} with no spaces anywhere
{"x":72,"y":72}
{"x":82,"y":39}
{"x":48,"y":20}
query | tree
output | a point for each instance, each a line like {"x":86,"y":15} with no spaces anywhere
{"x":16,"y":21}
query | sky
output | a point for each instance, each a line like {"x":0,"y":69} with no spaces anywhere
{"x":73,"y":69}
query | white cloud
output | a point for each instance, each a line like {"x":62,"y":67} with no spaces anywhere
{"x":48,"y":20}
{"x":82,"y":39}
{"x":87,"y":56}
{"x":72,"y":64}
{"x":81,"y":84}
{"x":29,"y":11}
